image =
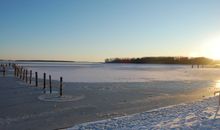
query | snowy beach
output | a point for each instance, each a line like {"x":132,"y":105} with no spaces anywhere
{"x":202,"y":114}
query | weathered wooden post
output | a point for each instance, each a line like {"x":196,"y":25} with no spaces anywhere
{"x":23,"y":75}
{"x":50,"y":84}
{"x":18,"y":71}
{"x":21,"y":69}
{"x":26,"y":76}
{"x":36,"y":79}
{"x":44,"y":82}
{"x":61,"y":86}
{"x":4,"y":70}
{"x":30,"y":77}
{"x":15,"y":69}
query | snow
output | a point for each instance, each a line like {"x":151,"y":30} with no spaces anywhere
{"x":202,"y":114}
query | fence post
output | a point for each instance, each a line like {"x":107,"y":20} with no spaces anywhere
{"x":4,"y":70}
{"x":36,"y":79}
{"x":30,"y":76}
{"x":44,"y":82}
{"x":21,"y":70}
{"x":50,"y":84}
{"x":15,"y":71}
{"x":26,"y":76}
{"x":23,"y":75}
{"x":18,"y":71}
{"x":61,"y":86}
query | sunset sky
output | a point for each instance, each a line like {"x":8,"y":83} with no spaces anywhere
{"x":92,"y":30}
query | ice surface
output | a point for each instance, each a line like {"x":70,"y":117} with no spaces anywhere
{"x":81,"y":72}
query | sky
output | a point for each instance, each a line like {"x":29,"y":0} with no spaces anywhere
{"x":92,"y":30}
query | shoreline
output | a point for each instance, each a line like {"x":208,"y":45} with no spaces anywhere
{"x":202,"y":118}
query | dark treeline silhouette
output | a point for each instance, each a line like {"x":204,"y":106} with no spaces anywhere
{"x":162,"y":60}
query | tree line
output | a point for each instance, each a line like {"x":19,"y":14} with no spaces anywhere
{"x":162,"y":60}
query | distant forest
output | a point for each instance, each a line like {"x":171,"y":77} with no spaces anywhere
{"x":163,"y":60}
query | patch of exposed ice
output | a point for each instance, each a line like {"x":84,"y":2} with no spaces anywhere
{"x":55,"y":97}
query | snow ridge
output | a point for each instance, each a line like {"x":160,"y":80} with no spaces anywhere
{"x":202,"y":114}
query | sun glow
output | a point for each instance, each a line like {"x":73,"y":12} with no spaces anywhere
{"x":211,"y":49}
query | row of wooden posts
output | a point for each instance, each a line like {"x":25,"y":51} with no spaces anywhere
{"x":26,"y":75}
{"x":198,"y":66}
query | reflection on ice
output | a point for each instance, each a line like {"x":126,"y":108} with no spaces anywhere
{"x":217,"y":84}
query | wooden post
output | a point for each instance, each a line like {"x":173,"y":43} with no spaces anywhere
{"x":50,"y":84}
{"x":23,"y":75}
{"x":61,"y":86}
{"x":15,"y":71}
{"x":20,"y":72}
{"x":20,"y":69}
{"x":4,"y":70}
{"x":44,"y":81}
{"x":36,"y":79}
{"x":26,"y":76}
{"x":30,"y":76}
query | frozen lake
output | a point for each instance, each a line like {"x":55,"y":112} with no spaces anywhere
{"x":100,"y":72}
{"x":105,"y":91}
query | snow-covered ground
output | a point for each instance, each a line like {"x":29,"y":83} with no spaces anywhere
{"x":202,"y":114}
